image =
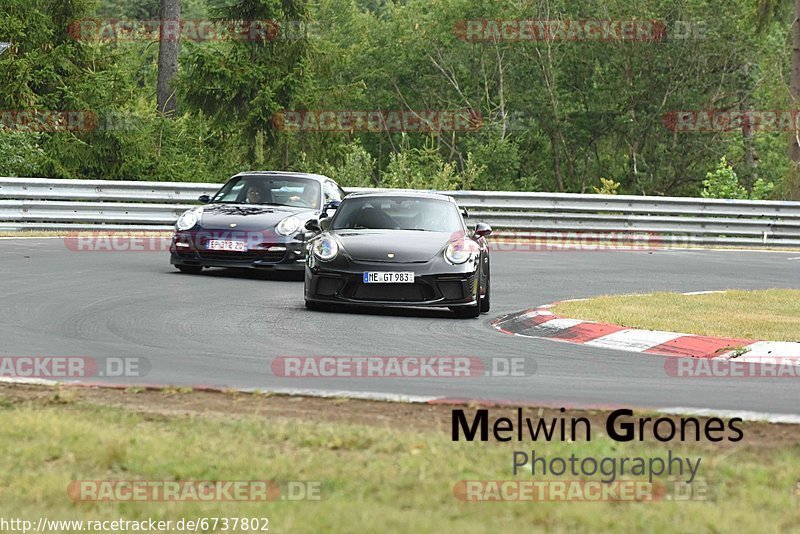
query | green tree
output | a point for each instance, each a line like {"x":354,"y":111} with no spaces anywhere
{"x":769,"y":11}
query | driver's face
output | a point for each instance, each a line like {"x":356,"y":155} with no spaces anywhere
{"x":254,"y":196}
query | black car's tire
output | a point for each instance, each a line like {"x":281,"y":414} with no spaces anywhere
{"x":473,"y":311}
{"x":190,"y":269}
{"x":486,"y":300}
{"x":314,"y":306}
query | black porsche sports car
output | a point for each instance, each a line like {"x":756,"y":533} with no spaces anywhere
{"x":257,"y":219}
{"x":398,"y":249}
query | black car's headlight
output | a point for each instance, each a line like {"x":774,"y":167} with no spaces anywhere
{"x":326,"y":248}
{"x":288,"y":226}
{"x":188,"y":220}
{"x":458,"y":252}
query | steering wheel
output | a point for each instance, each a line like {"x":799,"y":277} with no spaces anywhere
{"x":305,"y":203}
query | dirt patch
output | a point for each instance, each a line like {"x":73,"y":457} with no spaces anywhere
{"x":180,"y":402}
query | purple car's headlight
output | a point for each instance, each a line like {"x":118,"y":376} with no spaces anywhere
{"x":288,"y":226}
{"x":188,"y":220}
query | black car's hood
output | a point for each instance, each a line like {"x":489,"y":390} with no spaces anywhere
{"x":248,"y":216}
{"x":408,"y":246}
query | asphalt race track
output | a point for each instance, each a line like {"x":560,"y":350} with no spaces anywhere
{"x":224,"y":327}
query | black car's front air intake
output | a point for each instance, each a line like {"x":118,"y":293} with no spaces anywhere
{"x":393,"y":292}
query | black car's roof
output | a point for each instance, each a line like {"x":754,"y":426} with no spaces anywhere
{"x":317,"y":177}
{"x":401,"y":193}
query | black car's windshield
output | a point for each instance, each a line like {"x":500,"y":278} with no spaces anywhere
{"x":275,"y":190}
{"x":397,"y":213}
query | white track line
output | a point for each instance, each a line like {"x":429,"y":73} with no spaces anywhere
{"x":770,"y":351}
{"x":360,"y":395}
{"x":34,"y":381}
{"x":633,"y":340}
{"x":556,"y":325}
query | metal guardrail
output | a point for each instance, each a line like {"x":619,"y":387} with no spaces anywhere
{"x":44,"y":204}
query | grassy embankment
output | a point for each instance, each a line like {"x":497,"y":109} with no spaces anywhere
{"x":388,"y":476}
{"x":770,"y":315}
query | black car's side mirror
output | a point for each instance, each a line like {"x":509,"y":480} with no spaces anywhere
{"x":332,"y":205}
{"x":204,"y":199}
{"x":312,"y":225}
{"x":482,"y":230}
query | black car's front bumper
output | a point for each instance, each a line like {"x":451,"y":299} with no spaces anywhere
{"x":433,"y":285}
{"x":272,"y":252}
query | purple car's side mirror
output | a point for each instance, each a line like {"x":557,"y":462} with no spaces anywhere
{"x":482,"y":230}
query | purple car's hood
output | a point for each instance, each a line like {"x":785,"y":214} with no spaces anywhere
{"x":248,"y":216}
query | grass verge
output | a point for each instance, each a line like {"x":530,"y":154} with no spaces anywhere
{"x":770,"y":315}
{"x":31,"y":233}
{"x":85,"y":233}
{"x":394,"y":475}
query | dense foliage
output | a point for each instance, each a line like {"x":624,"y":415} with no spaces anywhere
{"x":568,"y":115}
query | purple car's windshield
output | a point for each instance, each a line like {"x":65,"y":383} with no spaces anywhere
{"x":398,"y":213}
{"x":271,"y":190}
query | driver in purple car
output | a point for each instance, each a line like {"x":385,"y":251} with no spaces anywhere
{"x":307,"y":199}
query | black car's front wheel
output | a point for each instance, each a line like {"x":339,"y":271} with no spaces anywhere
{"x":472,"y":311}
{"x":190,"y":269}
{"x":486,"y":300}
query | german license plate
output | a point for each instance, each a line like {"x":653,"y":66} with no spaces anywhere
{"x":232,"y":246}
{"x":388,"y":278}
